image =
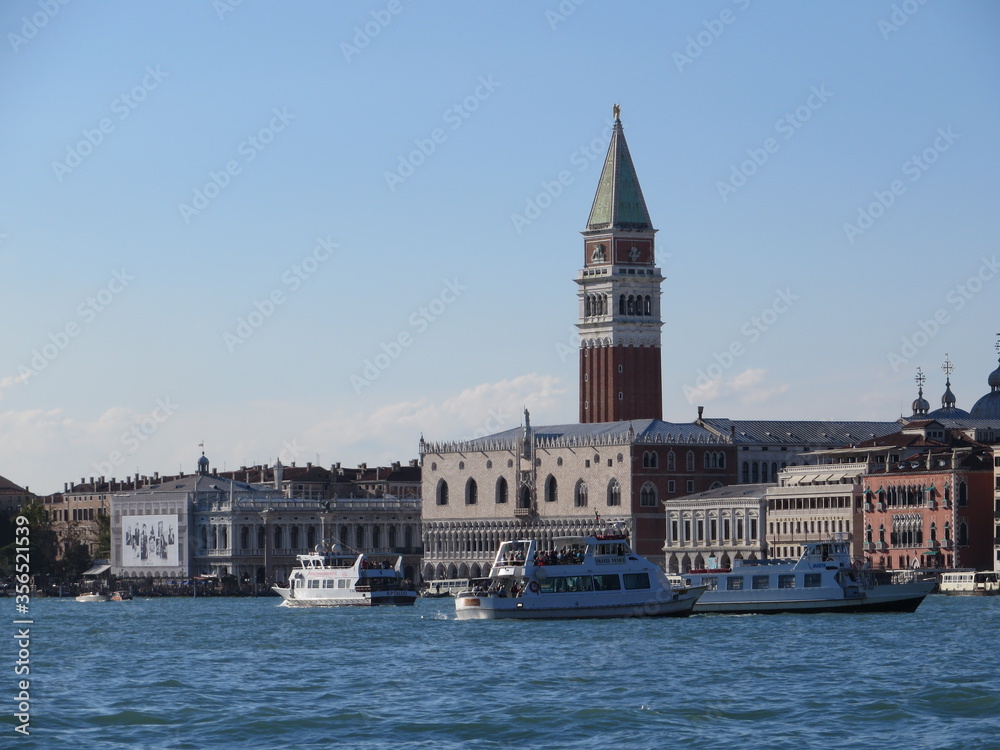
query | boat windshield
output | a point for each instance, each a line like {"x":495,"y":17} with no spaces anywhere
{"x":512,"y":553}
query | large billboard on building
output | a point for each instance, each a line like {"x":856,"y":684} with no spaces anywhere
{"x":149,"y":541}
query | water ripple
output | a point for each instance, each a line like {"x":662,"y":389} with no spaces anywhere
{"x":179,"y":674}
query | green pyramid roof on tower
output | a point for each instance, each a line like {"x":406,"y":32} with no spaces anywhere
{"x":619,"y":203}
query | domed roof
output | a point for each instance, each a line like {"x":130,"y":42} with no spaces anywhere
{"x":949,"y":412}
{"x":994,"y":379}
{"x":948,"y":409}
{"x":988,"y":407}
{"x":920,"y":406}
{"x":203,"y":461}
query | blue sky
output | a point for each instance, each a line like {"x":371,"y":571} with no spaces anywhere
{"x":317,"y":230}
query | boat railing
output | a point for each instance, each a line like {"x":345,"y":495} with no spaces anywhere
{"x":559,"y":559}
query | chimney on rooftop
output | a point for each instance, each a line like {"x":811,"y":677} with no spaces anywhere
{"x":701,"y":410}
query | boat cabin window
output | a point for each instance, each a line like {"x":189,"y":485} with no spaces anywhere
{"x":786,"y":581}
{"x":328,"y":583}
{"x":342,"y":583}
{"x":607,"y":582}
{"x":313,"y":583}
{"x":618,"y":549}
{"x":712,"y":582}
{"x":813,"y":580}
{"x":761,"y":582}
{"x":636,"y":580}
{"x":567,"y":584}
{"x":734,"y":583}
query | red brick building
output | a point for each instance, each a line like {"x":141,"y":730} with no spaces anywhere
{"x":928,"y":498}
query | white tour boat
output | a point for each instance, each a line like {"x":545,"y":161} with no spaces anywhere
{"x":822,"y":580}
{"x":582,"y":577}
{"x":970,"y":583}
{"x":336,"y":579}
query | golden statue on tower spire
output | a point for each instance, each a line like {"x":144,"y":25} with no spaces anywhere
{"x":617,"y":111}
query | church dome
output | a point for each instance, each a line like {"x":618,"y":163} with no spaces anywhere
{"x":948,"y":409}
{"x":949,"y":412}
{"x":994,"y":380}
{"x":988,"y":407}
{"x":920,"y":406}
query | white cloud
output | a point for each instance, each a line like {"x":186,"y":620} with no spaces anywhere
{"x":747,"y":387}
{"x":45,"y":448}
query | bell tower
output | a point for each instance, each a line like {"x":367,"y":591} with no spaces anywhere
{"x":619,"y":296}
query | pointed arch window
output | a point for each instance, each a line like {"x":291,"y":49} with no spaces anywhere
{"x":690,"y":460}
{"x":524,"y":498}
{"x":963,"y":494}
{"x":442,"y":493}
{"x":671,"y":461}
{"x":614,"y":493}
{"x":621,"y":305}
{"x":580,"y":495}
{"x":647,"y":495}
{"x":501,"y":493}
{"x":471,"y":492}
{"x":551,"y":489}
